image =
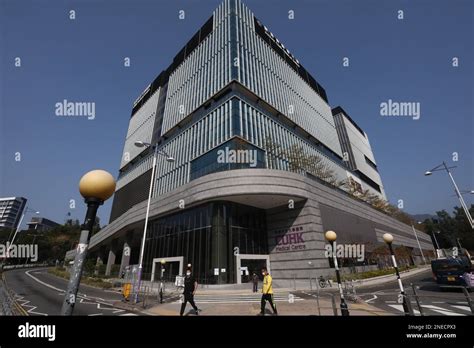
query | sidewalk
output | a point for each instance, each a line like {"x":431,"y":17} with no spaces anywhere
{"x":245,"y":288}
{"x":246,"y":303}
{"x":300,"y":308}
{"x":242,"y":302}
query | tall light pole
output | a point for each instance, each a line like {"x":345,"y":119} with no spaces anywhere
{"x":331,"y":237}
{"x":96,"y":187}
{"x":419,"y":245}
{"x":388,"y":238}
{"x":443,"y":166}
{"x":156,"y":152}
{"x":33,"y":243}
{"x":162,"y":271}
{"x":26,"y":210}
{"x":436,"y":241}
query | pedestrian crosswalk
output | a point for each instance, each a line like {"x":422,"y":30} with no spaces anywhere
{"x":242,"y":298}
{"x":430,"y":309}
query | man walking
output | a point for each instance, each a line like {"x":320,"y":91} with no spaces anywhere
{"x":190,"y":287}
{"x":267,"y":293}
{"x":255,"y":282}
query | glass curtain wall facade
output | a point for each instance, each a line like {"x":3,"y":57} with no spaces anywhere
{"x":232,"y":86}
{"x":202,"y":110}
{"x":207,"y":237}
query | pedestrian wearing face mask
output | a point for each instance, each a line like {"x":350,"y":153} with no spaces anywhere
{"x":267,"y":293}
{"x":190,"y":287}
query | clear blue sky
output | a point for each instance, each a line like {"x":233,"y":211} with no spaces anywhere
{"x":82,"y":60}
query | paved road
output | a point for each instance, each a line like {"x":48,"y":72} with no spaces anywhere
{"x":41,"y":293}
{"x":433,"y":300}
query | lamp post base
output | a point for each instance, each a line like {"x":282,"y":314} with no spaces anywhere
{"x":407,"y":306}
{"x":344,"y":309}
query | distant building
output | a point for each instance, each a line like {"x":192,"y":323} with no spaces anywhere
{"x":11,"y":209}
{"x":41,"y":224}
{"x":360,"y":158}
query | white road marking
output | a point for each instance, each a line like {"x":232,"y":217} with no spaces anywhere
{"x":24,"y":303}
{"x":43,"y":283}
{"x":212,"y":298}
{"x":442,"y":310}
{"x":371,"y":299}
{"x":466,"y":308}
{"x":400,"y":308}
{"x":83,"y":297}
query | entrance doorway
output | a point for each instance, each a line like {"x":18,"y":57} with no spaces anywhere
{"x":173,"y":266}
{"x":250,"y":266}
{"x":246,"y":264}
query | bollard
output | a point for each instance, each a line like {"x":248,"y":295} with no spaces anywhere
{"x":317,"y":296}
{"x":334,"y":308}
{"x":468,"y":298}
{"x":416,"y":298}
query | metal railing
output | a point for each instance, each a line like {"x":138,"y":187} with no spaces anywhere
{"x":416,"y":296}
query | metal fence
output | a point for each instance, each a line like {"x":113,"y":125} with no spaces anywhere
{"x":419,"y":298}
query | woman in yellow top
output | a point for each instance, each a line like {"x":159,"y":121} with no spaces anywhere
{"x":267,"y":293}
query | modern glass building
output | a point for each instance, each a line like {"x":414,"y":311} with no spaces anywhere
{"x":360,"y":159}
{"x":11,"y":209}
{"x":256,"y":144}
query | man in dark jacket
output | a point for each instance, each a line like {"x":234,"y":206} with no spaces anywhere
{"x":255,"y":282}
{"x":190,"y":287}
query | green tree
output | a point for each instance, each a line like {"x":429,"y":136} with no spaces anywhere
{"x":302,"y":163}
{"x":452,"y":228}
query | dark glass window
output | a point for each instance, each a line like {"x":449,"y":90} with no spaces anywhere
{"x":235,"y":115}
{"x":206,"y":237}
{"x":370,"y":163}
{"x":233,"y":154}
{"x":368,"y":180}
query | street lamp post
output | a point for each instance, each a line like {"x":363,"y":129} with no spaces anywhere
{"x":419,"y":245}
{"x":310,"y":263}
{"x":26,"y":210}
{"x":33,"y":243}
{"x":162,"y":262}
{"x":156,"y":152}
{"x":96,"y":187}
{"x":388,"y":238}
{"x":456,"y":189}
{"x":331,"y":237}
{"x":436,"y":241}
